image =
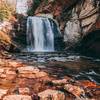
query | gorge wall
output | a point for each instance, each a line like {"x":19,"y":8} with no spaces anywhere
{"x":76,"y":18}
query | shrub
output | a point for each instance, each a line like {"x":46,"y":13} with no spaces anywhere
{"x":35,"y":4}
{"x":5,"y":11}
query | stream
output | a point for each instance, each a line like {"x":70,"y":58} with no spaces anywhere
{"x":62,"y":64}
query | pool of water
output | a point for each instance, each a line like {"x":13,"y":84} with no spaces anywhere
{"x":61,"y":64}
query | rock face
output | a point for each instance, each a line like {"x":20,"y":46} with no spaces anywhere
{"x":75,"y":18}
{"x":82,"y":21}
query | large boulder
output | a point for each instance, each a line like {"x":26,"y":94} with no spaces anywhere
{"x":83,"y":20}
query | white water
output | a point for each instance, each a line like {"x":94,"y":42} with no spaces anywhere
{"x":40,"y":36}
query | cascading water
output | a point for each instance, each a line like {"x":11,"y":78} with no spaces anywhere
{"x":40,"y":36}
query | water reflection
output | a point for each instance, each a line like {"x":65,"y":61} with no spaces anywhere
{"x":61,"y":64}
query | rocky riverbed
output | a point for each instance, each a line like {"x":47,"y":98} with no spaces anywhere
{"x":30,"y":77}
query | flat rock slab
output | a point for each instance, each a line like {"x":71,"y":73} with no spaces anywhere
{"x":2,"y":93}
{"x":17,"y":97}
{"x":11,"y":63}
{"x":28,"y":69}
{"x":30,"y":72}
{"x":24,"y":91}
{"x":7,"y":73}
{"x":60,"y":82}
{"x":51,"y":95}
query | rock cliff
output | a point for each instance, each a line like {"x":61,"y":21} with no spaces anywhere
{"x":76,"y":18}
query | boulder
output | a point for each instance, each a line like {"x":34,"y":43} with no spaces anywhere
{"x":51,"y":95}
{"x":60,"y":82}
{"x":75,"y":90}
{"x":84,"y":16}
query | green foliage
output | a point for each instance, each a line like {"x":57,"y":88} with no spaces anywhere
{"x":5,"y":11}
{"x":36,"y":3}
{"x":34,"y":7}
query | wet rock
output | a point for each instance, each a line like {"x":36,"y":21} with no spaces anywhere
{"x":41,"y":66}
{"x":2,"y":93}
{"x":17,"y":97}
{"x":51,"y":95}
{"x":75,"y":90}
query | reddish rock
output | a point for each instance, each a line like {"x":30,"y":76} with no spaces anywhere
{"x":28,"y":69}
{"x":15,"y":64}
{"x":26,"y":75}
{"x":88,"y":84}
{"x":75,"y":90}
{"x":1,"y":70}
{"x":30,"y":72}
{"x":54,"y":7}
{"x":59,"y":82}
{"x":98,"y":24}
{"x":24,"y":91}
{"x":17,"y":97}
{"x":7,"y":73}
{"x":2,"y":62}
{"x":51,"y":95}
{"x":41,"y":74}
{"x":2,"y":93}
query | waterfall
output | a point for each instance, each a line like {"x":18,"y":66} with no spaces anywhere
{"x":40,"y":36}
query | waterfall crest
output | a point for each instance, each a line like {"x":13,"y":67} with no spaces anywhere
{"x":40,"y":36}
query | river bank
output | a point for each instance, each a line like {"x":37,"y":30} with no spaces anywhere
{"x":35,"y":81}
